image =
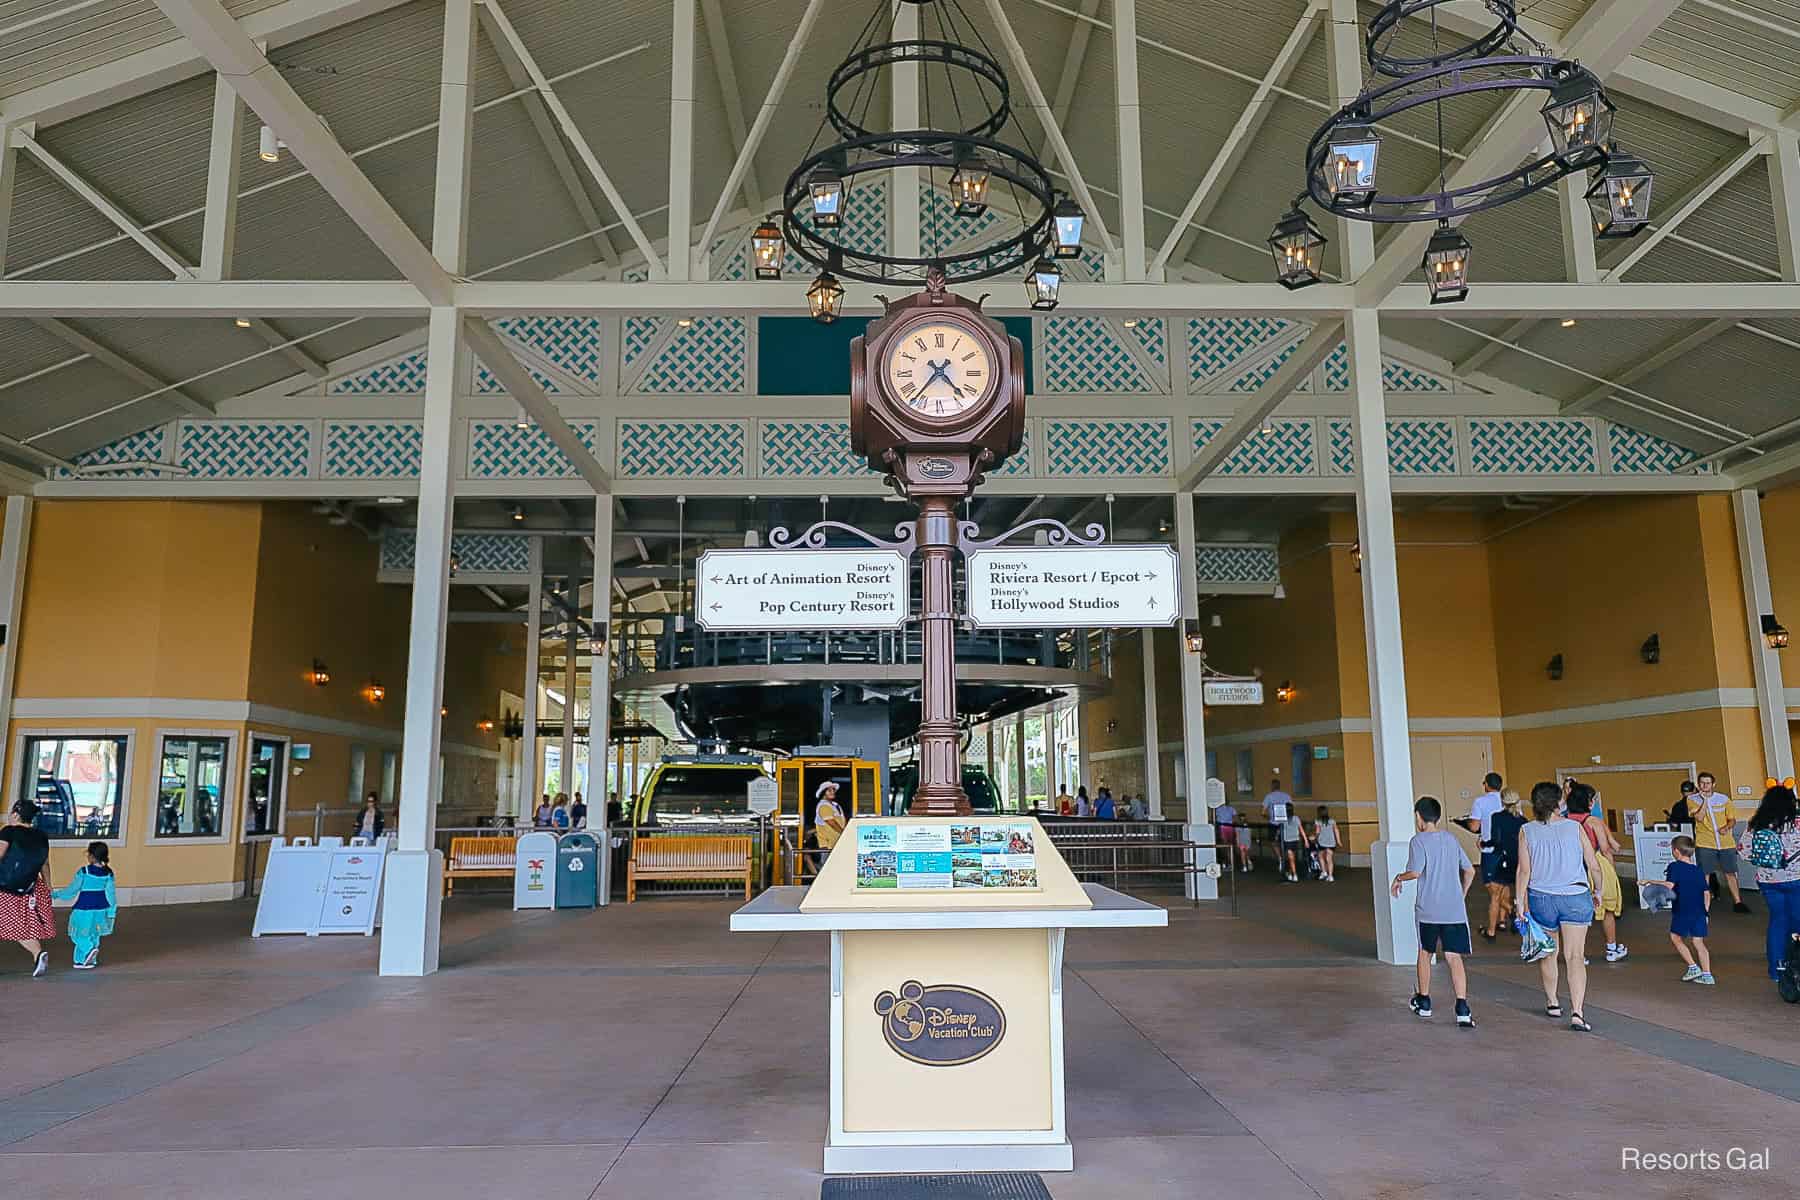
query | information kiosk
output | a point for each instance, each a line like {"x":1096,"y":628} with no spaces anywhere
{"x":946,"y":990}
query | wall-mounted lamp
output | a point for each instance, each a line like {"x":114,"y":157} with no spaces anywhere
{"x":1356,"y":557}
{"x":320,"y":675}
{"x":486,"y":725}
{"x":1190,"y":633}
{"x":1285,"y":692}
{"x":1651,"y":650}
{"x":597,"y":640}
{"x":444,"y":711}
{"x":1112,"y":726}
{"x":375,"y":692}
{"x":1774,"y":632}
{"x":1554,"y":668}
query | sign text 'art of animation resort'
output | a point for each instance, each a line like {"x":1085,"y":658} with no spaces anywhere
{"x":754,"y":590}
{"x":1073,"y":586}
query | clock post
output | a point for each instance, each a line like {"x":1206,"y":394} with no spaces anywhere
{"x":937,"y":399}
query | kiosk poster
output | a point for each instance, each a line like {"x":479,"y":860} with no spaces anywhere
{"x":943,"y":857}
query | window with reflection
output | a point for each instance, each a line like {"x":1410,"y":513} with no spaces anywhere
{"x":264,"y":787}
{"x":190,"y":788}
{"x":77,"y":783}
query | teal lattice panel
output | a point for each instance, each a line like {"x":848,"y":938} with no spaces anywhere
{"x":1342,"y":441}
{"x":147,"y":445}
{"x":1531,"y":446}
{"x":371,"y":450}
{"x":638,"y":336}
{"x":664,"y":449}
{"x":803,"y":448}
{"x":471,"y":553}
{"x":572,"y":343}
{"x":864,"y":228}
{"x":1205,"y":431}
{"x":1237,"y":563}
{"x":1289,"y":448}
{"x":497,"y":450}
{"x":1083,"y":354}
{"x":1106,"y":448}
{"x":1254,"y":377}
{"x":1398,"y":377}
{"x":1020,"y":463}
{"x":1152,"y":334}
{"x":711,"y":355}
{"x":401,"y":376}
{"x":939,"y":224}
{"x":246,"y":449}
{"x":1425,"y":446}
{"x":487,"y":385}
{"x":1218,"y":344}
{"x":1633,"y":452}
{"x":636,"y":273}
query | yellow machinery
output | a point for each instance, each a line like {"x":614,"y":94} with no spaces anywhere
{"x":797,"y":858}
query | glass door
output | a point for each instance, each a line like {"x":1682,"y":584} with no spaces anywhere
{"x":265,"y":786}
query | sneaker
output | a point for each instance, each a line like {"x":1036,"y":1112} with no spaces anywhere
{"x":1740,"y":907}
{"x":43,"y":964}
{"x":1421,"y":1006}
{"x":1542,"y":952}
{"x":84,"y":966}
{"x":1693,"y":972}
{"x":1615,"y":953}
{"x":1706,"y":979}
{"x":1464,"y":1017}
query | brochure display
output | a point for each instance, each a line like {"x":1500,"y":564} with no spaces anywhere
{"x":326,"y":888}
{"x":946,"y":990}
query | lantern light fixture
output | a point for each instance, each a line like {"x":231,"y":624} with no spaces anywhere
{"x":1043,"y":284}
{"x":1299,"y":249}
{"x":320,"y":675}
{"x":1651,"y":650}
{"x":1554,"y":668}
{"x":1285,"y":692}
{"x":1067,"y":219}
{"x":485,"y":725}
{"x":969,"y":185}
{"x":825,"y":298}
{"x":1619,"y":199}
{"x":1356,"y":557}
{"x":1446,"y":265}
{"x":1774,"y":632}
{"x":826,"y":186}
{"x":1191,"y":635}
{"x":766,"y":249}
{"x":375,"y":692}
{"x":1351,"y":159}
{"x":1580,"y":117}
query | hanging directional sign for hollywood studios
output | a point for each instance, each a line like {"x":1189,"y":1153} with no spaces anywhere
{"x":757,"y":590}
{"x":1072,"y":586}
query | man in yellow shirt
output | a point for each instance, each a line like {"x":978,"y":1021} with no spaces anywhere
{"x":1714,"y":838}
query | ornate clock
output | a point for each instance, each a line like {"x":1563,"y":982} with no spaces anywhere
{"x":937,"y":393}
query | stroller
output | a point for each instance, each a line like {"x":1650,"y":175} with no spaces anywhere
{"x":1787,"y":980}
{"x":1315,"y":863}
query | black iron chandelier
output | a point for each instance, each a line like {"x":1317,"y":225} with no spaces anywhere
{"x":970,"y":162}
{"x":1343,"y":157}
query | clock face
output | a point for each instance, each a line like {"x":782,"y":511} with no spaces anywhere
{"x":939,"y":370}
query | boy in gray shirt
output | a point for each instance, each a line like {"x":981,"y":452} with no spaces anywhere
{"x":1436,"y":859}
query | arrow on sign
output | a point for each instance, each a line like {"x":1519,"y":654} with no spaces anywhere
{"x":714,"y":606}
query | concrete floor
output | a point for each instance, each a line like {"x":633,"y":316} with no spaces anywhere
{"x":644,"y":1051}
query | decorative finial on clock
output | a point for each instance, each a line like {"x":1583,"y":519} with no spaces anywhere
{"x":935,"y":284}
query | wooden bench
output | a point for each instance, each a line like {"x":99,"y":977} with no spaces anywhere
{"x":479,"y":857}
{"x":689,"y":858}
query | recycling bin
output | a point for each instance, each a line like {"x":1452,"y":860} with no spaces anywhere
{"x":577,"y":871}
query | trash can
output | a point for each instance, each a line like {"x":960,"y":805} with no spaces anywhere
{"x":577,"y":871}
{"x":533,"y":860}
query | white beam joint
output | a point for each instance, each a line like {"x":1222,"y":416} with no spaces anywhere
{"x":492,"y":349}
{"x":1247,"y":422}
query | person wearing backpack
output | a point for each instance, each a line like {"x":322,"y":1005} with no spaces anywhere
{"x":25,"y":913}
{"x":1772,"y":845}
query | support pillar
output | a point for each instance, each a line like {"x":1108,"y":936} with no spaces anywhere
{"x":1343,"y":64}
{"x":600,"y":689}
{"x":571,"y":647}
{"x":1131,"y":150}
{"x":413,"y":897}
{"x":681,"y":156}
{"x":15,"y":550}
{"x":1152,"y":758}
{"x":1396,"y":936}
{"x":1021,"y":774}
{"x":1050,"y":788}
{"x":1084,"y":766}
{"x":1580,"y":262}
{"x":903,"y":199}
{"x":1784,"y":180}
{"x":530,"y":785}
{"x":219,"y":235}
{"x":9,"y":172}
{"x":1193,"y":708}
{"x":1771,"y":695}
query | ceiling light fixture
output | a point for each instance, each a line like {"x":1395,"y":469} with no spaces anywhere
{"x":1568,"y":322}
{"x":268,"y":146}
{"x":241,"y":322}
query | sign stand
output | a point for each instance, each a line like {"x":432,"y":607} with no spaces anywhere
{"x":324,"y":888}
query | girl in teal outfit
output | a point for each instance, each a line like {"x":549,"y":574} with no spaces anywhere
{"x":96,"y":904}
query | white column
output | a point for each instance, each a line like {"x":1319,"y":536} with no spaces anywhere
{"x":413,"y":897}
{"x":1344,"y":61}
{"x":15,"y":551}
{"x":1580,"y":263}
{"x":1050,"y":788}
{"x":1784,"y":180}
{"x":1395,"y":935}
{"x":600,"y":689}
{"x":571,"y":647}
{"x":456,"y":124}
{"x":1084,"y":766}
{"x":1152,"y":759}
{"x":1020,"y":775}
{"x":9,"y":171}
{"x":530,"y":787}
{"x":1193,"y":710}
{"x":1131,"y":143}
{"x":681,"y":148}
{"x":903,"y":196}
{"x":218,"y":238}
{"x":1771,"y":695}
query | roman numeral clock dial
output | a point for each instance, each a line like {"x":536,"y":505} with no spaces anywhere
{"x":939,"y":370}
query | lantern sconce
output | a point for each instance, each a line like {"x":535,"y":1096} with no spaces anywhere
{"x":1651,"y":650}
{"x":375,"y":692}
{"x":1774,"y":632}
{"x":320,"y":675}
{"x":1356,"y":557}
{"x":1554,"y":668}
{"x":485,"y":725}
{"x":1285,"y":692}
{"x":1191,"y":635}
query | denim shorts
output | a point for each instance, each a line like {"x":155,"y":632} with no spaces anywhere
{"x":1552,"y":911}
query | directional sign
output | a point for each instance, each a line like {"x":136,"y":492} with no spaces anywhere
{"x":1232,"y":691}
{"x":1073,"y":586}
{"x":801,"y":589}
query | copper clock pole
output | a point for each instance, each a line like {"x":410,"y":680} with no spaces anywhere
{"x":940,"y":791}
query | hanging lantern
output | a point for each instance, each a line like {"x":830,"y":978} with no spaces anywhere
{"x":1620,"y":196}
{"x":1580,"y":117}
{"x":766,"y":248}
{"x":1068,"y":219}
{"x":1299,"y":249}
{"x":969,"y":184}
{"x":825,"y":298}
{"x":1351,"y":158}
{"x":826,"y":185}
{"x":1447,"y":265}
{"x":1043,"y":284}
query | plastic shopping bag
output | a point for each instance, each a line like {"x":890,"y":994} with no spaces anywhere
{"x":1534,"y":941}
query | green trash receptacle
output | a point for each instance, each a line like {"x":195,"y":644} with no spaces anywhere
{"x":577,"y":870}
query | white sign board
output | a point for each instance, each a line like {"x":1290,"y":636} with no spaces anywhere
{"x":1225,"y":692}
{"x":801,"y":589}
{"x":762,"y":796}
{"x":1652,"y":854}
{"x":353,"y":890}
{"x":1079,"y":586}
{"x":314,"y":889}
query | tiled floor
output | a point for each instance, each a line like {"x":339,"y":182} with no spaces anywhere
{"x":644,"y":1051}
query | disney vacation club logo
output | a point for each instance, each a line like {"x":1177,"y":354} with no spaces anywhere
{"x":943,"y":1025}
